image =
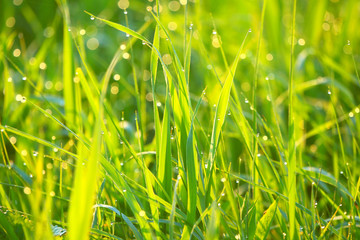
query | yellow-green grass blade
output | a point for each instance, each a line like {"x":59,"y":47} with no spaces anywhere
{"x":9,"y":90}
{"x":255,"y":175}
{"x":292,"y":193}
{"x":212,"y":228}
{"x":263,"y":226}
{"x":37,"y":139}
{"x":121,"y":28}
{"x":165,"y":163}
{"x":220,"y":115}
{"x":67,"y":66}
{"x":173,"y":205}
{"x":121,"y":185}
{"x":192,"y":167}
{"x":183,"y":93}
{"x":85,"y":185}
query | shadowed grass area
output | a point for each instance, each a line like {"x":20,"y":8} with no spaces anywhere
{"x":184,"y":119}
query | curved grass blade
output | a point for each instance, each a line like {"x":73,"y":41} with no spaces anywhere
{"x":263,"y":226}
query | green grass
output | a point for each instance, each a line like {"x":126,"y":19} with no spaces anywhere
{"x":179,"y":119}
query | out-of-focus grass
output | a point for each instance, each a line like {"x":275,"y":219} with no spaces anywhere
{"x":179,"y":119}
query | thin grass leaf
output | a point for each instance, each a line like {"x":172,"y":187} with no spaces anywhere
{"x":263,"y":226}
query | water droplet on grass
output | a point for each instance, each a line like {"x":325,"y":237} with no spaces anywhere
{"x":329,"y":92}
{"x":246,"y":100}
{"x":125,"y":12}
{"x":142,"y":213}
{"x":92,"y":17}
{"x":24,"y":78}
{"x":214,"y":32}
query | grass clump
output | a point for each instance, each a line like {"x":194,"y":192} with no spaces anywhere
{"x":179,"y":120}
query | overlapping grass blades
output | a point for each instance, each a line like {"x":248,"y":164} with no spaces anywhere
{"x":161,"y":167}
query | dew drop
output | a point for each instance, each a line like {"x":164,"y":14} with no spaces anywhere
{"x":125,"y":12}
{"x":249,"y":30}
{"x":142,"y":213}
{"x":92,"y":18}
{"x":24,"y":78}
{"x":237,"y":181}
{"x":285,"y":163}
{"x":214,"y":32}
{"x":341,"y":172}
{"x":246,"y":100}
{"x":69,"y":29}
{"x":127,"y":35}
{"x":348,"y":42}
